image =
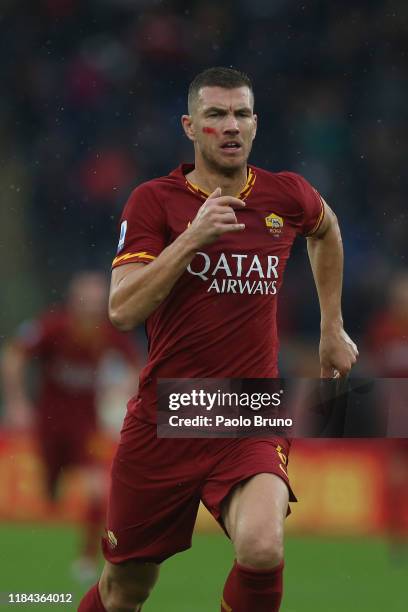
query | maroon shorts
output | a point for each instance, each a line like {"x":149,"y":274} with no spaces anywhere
{"x":157,"y":485}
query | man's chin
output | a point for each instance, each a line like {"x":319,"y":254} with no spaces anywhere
{"x":227,"y":166}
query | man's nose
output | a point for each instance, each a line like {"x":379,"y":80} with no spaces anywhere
{"x":231,"y":124}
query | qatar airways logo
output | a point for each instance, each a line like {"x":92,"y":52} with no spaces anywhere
{"x":242,"y":273}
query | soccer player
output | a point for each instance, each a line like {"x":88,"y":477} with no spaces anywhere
{"x":69,"y":345}
{"x":201,"y":257}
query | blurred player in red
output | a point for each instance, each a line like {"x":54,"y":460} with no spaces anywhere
{"x":387,"y":344}
{"x":201,"y":256}
{"x":69,"y":345}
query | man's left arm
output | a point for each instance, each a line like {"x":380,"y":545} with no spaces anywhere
{"x":337,"y":351}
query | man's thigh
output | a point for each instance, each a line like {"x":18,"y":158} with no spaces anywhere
{"x":254,"y":515}
{"x":257,"y":507}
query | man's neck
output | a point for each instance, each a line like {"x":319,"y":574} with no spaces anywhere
{"x":208,"y":180}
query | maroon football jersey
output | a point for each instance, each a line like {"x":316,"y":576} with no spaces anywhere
{"x":219,"y":320}
{"x":69,"y":358}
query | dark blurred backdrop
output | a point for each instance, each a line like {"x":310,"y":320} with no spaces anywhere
{"x":91,"y":96}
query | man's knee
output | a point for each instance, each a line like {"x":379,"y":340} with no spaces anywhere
{"x":254,"y":516}
{"x":125,"y":587}
{"x":259,"y":550}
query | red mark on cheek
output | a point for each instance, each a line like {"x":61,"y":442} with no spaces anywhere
{"x":209,"y":130}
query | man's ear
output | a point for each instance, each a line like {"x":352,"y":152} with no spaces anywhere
{"x":188,"y":126}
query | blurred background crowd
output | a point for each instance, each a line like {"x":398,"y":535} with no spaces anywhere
{"x":92,"y":93}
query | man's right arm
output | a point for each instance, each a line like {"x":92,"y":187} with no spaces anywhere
{"x":138,"y":289}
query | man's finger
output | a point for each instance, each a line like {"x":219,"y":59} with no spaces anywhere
{"x":215,"y":194}
{"x":229,"y":201}
{"x":326,"y":372}
{"x":233,"y":227}
{"x":228,"y":217}
{"x":343,"y":370}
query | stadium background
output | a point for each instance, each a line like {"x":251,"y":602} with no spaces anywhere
{"x":91,"y":97}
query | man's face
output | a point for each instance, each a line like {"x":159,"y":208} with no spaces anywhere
{"x":222,"y":126}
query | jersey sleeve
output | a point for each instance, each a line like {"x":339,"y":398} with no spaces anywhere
{"x":142,"y":228}
{"x":309,"y":201}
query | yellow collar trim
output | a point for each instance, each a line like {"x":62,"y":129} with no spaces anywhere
{"x":244,"y":193}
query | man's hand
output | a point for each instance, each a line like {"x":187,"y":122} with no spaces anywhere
{"x":215,"y":217}
{"x":338,"y":353}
